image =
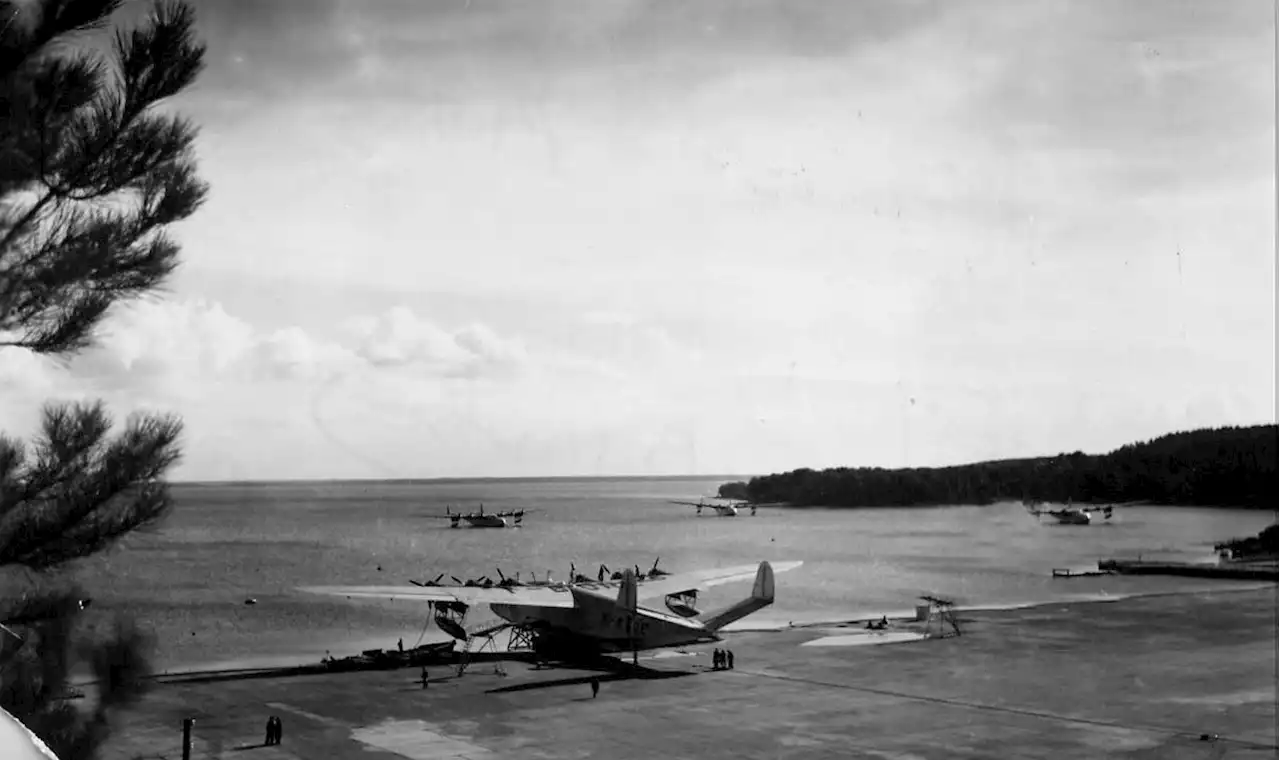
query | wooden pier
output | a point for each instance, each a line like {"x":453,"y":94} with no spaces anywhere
{"x":1066,"y":572}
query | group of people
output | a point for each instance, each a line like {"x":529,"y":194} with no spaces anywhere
{"x":722,"y":659}
{"x":275,"y":730}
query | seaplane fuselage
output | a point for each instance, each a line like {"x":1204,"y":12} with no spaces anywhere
{"x":483,"y":521}
{"x":597,"y":622}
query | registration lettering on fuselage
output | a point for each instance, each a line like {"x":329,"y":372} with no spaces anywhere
{"x":624,"y":623}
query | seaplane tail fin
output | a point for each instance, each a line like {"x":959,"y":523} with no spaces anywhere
{"x":761,"y":597}
{"x":627,"y":596}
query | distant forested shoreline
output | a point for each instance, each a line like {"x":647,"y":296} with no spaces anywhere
{"x":1226,"y":466}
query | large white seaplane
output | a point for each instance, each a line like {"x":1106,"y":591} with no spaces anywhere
{"x":722,"y":509}
{"x":585,"y":618}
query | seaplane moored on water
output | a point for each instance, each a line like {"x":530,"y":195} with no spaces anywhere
{"x":1068,"y":515}
{"x":722,"y":509}
{"x":481,"y":519}
{"x":582,"y":619}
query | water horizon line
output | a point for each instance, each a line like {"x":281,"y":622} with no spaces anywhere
{"x":461,"y":479}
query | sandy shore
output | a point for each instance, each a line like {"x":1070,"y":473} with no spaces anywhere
{"x":1144,"y":678}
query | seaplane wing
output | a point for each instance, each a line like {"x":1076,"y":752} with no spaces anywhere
{"x":699,"y":579}
{"x":536,"y":596}
{"x":556,"y":595}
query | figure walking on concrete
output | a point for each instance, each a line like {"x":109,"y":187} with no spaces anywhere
{"x":424,"y":676}
{"x":728,"y":653}
{"x":595,"y":687}
{"x":279,"y":729}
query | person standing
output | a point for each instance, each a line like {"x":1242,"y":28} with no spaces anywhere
{"x":595,"y":687}
{"x":728,"y":653}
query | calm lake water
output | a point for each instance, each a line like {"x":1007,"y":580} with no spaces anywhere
{"x":188,"y":580}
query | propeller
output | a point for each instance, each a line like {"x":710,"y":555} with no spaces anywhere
{"x":456,"y":579}
{"x":433,"y":582}
{"x":655,"y":572}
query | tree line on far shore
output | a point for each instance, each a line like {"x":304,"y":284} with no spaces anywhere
{"x":1226,"y":466}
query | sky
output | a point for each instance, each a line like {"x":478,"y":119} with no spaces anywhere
{"x":476,"y":238}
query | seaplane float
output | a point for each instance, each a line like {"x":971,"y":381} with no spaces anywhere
{"x":1067,"y":515}
{"x":585,"y":618}
{"x":481,"y":519}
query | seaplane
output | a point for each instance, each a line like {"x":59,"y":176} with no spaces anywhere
{"x":1068,"y":515}
{"x":481,"y":519}
{"x":729,"y":509}
{"x":586,"y":619}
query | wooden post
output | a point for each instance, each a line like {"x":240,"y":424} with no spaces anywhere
{"x":186,"y":738}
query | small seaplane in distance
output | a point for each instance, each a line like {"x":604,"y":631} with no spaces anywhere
{"x":722,"y":509}
{"x":580,"y":620}
{"x":1068,"y":515}
{"x":481,"y":519}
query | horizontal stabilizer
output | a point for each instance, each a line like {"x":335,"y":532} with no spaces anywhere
{"x":761,"y":597}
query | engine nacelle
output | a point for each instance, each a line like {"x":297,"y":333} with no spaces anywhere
{"x":449,"y":617}
{"x":682,"y":604}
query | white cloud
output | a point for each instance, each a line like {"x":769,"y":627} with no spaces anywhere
{"x":173,"y":348}
{"x":175,"y":353}
{"x":398,"y":337}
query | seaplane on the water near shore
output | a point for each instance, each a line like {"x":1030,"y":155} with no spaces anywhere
{"x":722,"y":509}
{"x":481,"y":519}
{"x":1068,"y":515}
{"x":585,"y":618}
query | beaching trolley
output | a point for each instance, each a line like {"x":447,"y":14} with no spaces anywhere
{"x":486,"y":637}
{"x":942,"y":614}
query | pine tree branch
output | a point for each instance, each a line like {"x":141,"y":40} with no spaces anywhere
{"x":89,"y":180}
{"x":56,"y":18}
{"x":69,"y":435}
{"x":78,"y":500}
{"x":113,"y":146}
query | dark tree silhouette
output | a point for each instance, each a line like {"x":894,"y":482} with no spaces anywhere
{"x":91,"y":174}
{"x":1228,"y":466}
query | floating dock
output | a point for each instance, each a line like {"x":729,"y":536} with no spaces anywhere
{"x":1066,"y":572}
{"x":1235,"y":571}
